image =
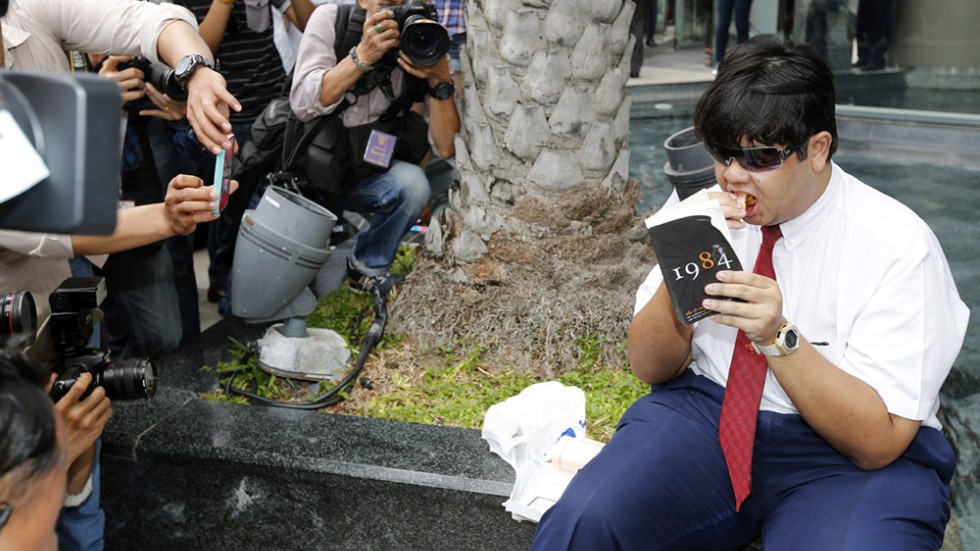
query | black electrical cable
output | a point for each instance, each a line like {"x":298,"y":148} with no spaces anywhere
{"x":332,"y":396}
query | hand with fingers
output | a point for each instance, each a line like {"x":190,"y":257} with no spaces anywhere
{"x":189,"y":203}
{"x":129,"y":79}
{"x":379,"y":35}
{"x":434,"y":74}
{"x":758,"y":312}
{"x":732,"y":207}
{"x":209,"y":103}
{"x":167,"y":108}
{"x":85,"y":417}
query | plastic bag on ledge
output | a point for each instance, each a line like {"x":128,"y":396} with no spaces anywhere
{"x":523,"y":430}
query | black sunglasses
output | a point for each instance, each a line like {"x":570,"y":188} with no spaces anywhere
{"x":753,"y":159}
{"x":5,"y":510}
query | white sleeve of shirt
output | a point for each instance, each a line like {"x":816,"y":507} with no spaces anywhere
{"x":907,"y":335}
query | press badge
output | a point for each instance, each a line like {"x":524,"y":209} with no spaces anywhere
{"x":380,"y":147}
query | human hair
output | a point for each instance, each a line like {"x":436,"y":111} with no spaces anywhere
{"x":4,"y":4}
{"x":28,"y":442}
{"x":771,"y":91}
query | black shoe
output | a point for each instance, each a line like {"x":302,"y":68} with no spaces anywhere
{"x":215,"y":295}
{"x":874,"y":65}
{"x":651,"y":42}
{"x":378,"y":285}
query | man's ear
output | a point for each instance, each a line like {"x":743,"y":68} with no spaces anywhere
{"x":818,"y":150}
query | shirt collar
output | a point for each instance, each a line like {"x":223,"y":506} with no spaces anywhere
{"x":796,"y":231}
{"x":12,"y":38}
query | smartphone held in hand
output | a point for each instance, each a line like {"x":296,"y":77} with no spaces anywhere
{"x":222,"y":175}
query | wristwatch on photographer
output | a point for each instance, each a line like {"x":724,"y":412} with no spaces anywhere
{"x":787,"y":341}
{"x":188,"y":65}
{"x":443,"y":90}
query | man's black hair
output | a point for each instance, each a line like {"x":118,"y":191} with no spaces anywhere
{"x":28,"y":443}
{"x":4,"y":4}
{"x":770,"y":91}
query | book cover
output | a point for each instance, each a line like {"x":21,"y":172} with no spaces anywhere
{"x":692,"y":244}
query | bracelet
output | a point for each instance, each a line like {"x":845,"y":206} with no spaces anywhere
{"x":357,"y":61}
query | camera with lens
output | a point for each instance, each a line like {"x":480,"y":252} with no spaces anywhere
{"x":423,"y":40}
{"x":73,"y":307}
{"x":160,"y":76}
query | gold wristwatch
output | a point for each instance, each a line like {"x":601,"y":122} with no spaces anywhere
{"x":787,"y":341}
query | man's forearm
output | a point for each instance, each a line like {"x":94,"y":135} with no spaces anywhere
{"x":215,"y":23}
{"x":444,"y":121}
{"x":179,"y":39}
{"x":658,"y":344}
{"x":299,"y":13}
{"x":80,"y":470}
{"x":135,"y":227}
{"x":844,"y":410}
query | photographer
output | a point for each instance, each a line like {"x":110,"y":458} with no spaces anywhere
{"x":38,"y":263}
{"x":397,"y":193}
{"x":32,"y":458}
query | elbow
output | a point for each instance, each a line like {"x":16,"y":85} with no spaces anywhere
{"x":640,"y":373}
{"x":872,"y":460}
{"x":446,"y":151}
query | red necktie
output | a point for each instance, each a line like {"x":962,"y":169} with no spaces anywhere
{"x":746,"y":377}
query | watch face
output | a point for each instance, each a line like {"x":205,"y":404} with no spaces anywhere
{"x":185,"y":64}
{"x":792,"y":338}
{"x":188,"y":65}
{"x":444,"y":90}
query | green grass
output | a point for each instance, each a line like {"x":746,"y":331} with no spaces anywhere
{"x":460,"y":392}
{"x":456,"y":391}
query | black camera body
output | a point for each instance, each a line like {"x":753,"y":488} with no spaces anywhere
{"x":161,"y":77}
{"x":423,"y":39}
{"x":73,"y":307}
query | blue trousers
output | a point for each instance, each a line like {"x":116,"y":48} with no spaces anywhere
{"x":725,"y":8}
{"x":142,"y":316}
{"x":661,"y":483}
{"x":395,"y":199}
{"x":171,"y":161}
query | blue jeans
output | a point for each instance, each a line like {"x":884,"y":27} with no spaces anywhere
{"x":82,"y":528}
{"x":725,"y":8}
{"x":142,"y":316}
{"x":396,"y":199}
{"x":455,"y":43}
{"x":170,"y":162}
{"x":662,"y":483}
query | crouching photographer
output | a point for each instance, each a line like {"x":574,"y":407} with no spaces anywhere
{"x":391,"y":59}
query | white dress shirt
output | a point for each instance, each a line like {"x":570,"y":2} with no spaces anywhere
{"x":867,"y":283}
{"x":37,"y":33}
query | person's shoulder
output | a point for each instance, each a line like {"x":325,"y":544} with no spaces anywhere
{"x":880,"y":218}
{"x":325,"y":12}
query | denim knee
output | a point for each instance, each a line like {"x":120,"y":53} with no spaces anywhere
{"x":413,"y":185}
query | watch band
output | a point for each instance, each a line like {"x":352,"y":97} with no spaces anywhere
{"x":786,"y":342}
{"x":361,"y":66}
{"x":442,"y":91}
